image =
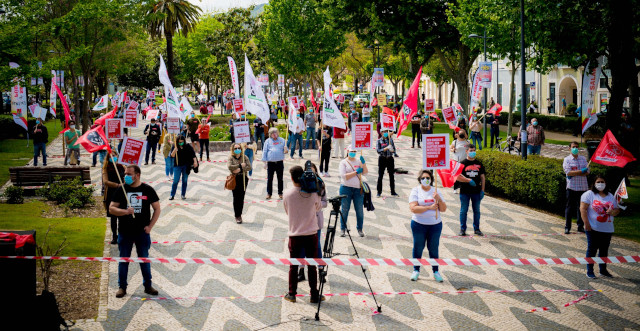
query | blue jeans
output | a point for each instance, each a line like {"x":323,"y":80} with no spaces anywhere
{"x":296,"y":138}
{"x":177,"y":171}
{"x":352,"y":194}
{"x":464,"y":208}
{"x":259,"y":136}
{"x":476,"y":137}
{"x":366,"y":118}
{"x":151,"y":147}
{"x":249,"y":153}
{"x":101,"y":155}
{"x":429,"y":234}
{"x":168,"y":165}
{"x":142,"y":241}
{"x":534,"y":150}
{"x":598,"y":242}
{"x":37,"y":150}
{"x":311,"y":135}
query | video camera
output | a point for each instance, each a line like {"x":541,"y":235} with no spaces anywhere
{"x":336,"y":201}
{"x":310,"y":182}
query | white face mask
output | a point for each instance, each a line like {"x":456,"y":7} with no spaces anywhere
{"x":72,"y":126}
{"x":600,"y":186}
{"x":425,"y":182}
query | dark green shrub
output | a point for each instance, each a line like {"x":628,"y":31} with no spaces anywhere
{"x":14,"y":194}
{"x":69,"y":192}
{"x":538,"y":182}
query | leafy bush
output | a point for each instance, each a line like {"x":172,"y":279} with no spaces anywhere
{"x":69,"y":192}
{"x":571,"y":109}
{"x":14,"y":194}
{"x":550,"y":123}
{"x":538,"y":182}
{"x":220,"y":133}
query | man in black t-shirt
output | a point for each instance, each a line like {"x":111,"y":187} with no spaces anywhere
{"x":153,"y":132}
{"x":415,"y":129}
{"x":192,"y":124}
{"x":471,"y":188}
{"x":138,"y":200}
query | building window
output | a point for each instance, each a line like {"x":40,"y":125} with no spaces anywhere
{"x":552,"y":98}
{"x":499,"y":94}
{"x":603,"y":82}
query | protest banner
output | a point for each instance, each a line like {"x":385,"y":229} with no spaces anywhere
{"x":255,"y":101}
{"x":341,"y":98}
{"x":132,"y":151}
{"x":484,"y":74}
{"x":238,"y":106}
{"x":449,"y":115}
{"x":151,"y":94}
{"x":163,"y":117}
{"x":429,"y":105}
{"x":94,"y":140}
{"x":114,"y":128}
{"x":378,"y":77}
{"x":234,"y":73}
{"x":130,"y":118}
{"x":362,"y":135}
{"x":590,"y":84}
{"x":281,"y":81}
{"x":388,"y":122}
{"x":381,"y":98}
{"x":38,"y":112}
{"x":410,"y":104}
{"x":210,"y":108}
{"x":241,"y":132}
{"x":173,"y":124}
{"x":435,"y":151}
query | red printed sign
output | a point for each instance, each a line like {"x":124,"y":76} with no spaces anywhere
{"x":132,"y":151}
{"x":449,"y":115}
{"x":435,"y":151}
{"x":133,"y":106}
{"x":173,"y":124}
{"x":163,"y":117}
{"x":152,"y":113}
{"x":113,"y":128}
{"x":388,"y":122}
{"x":238,"y":106}
{"x":429,"y":105}
{"x":282,"y":103}
{"x":210,"y":109}
{"x":362,"y":135}
{"x":294,"y":100}
{"x":130,"y":118}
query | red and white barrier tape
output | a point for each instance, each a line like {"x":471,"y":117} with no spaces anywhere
{"x":360,"y":294}
{"x":217,"y":203}
{"x":570,"y":303}
{"x":198,"y":180}
{"x":346,"y":262}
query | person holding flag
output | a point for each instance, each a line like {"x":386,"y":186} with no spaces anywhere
{"x":70,"y":138}
{"x":576,"y":170}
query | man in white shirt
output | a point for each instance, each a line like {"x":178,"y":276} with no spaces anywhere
{"x":297,"y":136}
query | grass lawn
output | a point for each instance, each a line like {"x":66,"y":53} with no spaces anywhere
{"x":627,"y":224}
{"x":15,"y":153}
{"x":85,"y":236}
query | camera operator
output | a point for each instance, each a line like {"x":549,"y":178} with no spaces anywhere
{"x":322,"y":192}
{"x":301,"y":208}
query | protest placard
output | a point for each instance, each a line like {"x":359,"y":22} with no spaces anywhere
{"x":241,"y":132}
{"x":173,"y":124}
{"x":388,"y":122}
{"x":449,"y":115}
{"x":114,"y":128}
{"x":132,"y":151}
{"x":282,"y":104}
{"x":435,"y":151}
{"x":130,"y":118}
{"x":429,"y":105}
{"x":152,"y":113}
{"x":238,"y":106}
{"x":382,"y":99}
{"x":362,"y":135}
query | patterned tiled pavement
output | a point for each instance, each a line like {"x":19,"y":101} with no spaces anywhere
{"x":512,"y":232}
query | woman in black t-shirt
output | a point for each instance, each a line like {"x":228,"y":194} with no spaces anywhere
{"x":185,"y":159}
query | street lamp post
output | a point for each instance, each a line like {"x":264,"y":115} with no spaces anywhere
{"x":523,"y":114}
{"x":484,"y":47}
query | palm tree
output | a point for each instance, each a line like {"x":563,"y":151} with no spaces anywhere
{"x":168,"y":17}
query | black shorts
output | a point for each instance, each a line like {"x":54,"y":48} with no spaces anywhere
{"x":194,"y":137}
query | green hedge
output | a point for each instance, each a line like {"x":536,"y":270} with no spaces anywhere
{"x":538,"y":182}
{"x":550,"y":123}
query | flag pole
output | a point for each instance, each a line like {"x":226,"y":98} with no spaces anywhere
{"x":121,"y":184}
{"x":435,"y":181}
{"x":321,"y":136}
{"x":244,"y":180}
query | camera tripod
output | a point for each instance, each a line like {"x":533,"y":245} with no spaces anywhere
{"x":328,"y":250}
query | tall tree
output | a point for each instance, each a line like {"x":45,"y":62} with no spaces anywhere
{"x":168,"y":17}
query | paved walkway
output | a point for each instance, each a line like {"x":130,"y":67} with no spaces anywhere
{"x":234,"y":297}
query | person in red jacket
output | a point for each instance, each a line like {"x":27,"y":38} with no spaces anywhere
{"x":203,"y":135}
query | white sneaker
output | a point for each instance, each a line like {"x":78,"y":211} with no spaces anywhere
{"x":326,"y":174}
{"x":455,"y":191}
{"x":414,"y":275}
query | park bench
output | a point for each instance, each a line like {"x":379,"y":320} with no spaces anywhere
{"x":34,"y":177}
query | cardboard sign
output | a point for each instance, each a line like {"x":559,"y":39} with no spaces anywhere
{"x":429,"y":105}
{"x":152,"y":113}
{"x":435,"y":151}
{"x":241,"y":132}
{"x":173,"y":125}
{"x":388,"y":122}
{"x":132,"y":151}
{"x":382,"y":99}
{"x":238,"y":106}
{"x":449,"y":115}
{"x":361,"y":137}
{"x":130,"y":118}
{"x":209,"y":109}
{"x":151,"y":94}
{"x":282,"y":103}
{"x":114,"y":128}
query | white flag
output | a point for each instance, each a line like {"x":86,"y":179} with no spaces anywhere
{"x":186,"y":106}
{"x":590,"y":84}
{"x":38,"y":112}
{"x":170,"y":93}
{"x":103,"y":103}
{"x":621,"y":193}
{"x":293,"y":120}
{"x":234,"y":76}
{"x":330,"y":114}
{"x":53,"y":94}
{"x":254,"y":100}
{"x":327,"y":81}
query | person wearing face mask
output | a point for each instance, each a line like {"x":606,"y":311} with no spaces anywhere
{"x":386,"y":150}
{"x":203,"y":138}
{"x":354,"y":117}
{"x":576,"y":170}
{"x":416,"y":134}
{"x":185,"y":158}
{"x":427,"y":207}
{"x":324,"y":141}
{"x":310,"y":124}
{"x":192,"y":125}
{"x":153,"y":131}
{"x":535,"y":137}
{"x":296,"y":138}
{"x":351,"y":170}
{"x":472,"y":182}
{"x":70,"y":138}
{"x":462,"y":121}
{"x":111,"y":183}
{"x":40,"y":138}
{"x":168,"y":160}
{"x":138,"y":201}
{"x":240,"y":166}
{"x":273,"y":154}
{"x":366,"y":113}
{"x":475,"y":127}
{"x":598,"y":207}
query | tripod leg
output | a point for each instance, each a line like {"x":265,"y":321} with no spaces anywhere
{"x":328,"y":252}
{"x":364,"y":272}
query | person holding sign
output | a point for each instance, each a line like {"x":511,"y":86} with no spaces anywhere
{"x":240,"y":166}
{"x":386,"y":150}
{"x":185,"y":158}
{"x":136,"y":222}
{"x":472,"y":182}
{"x":351,"y":170}
{"x":273,"y":154}
{"x":153,"y":132}
{"x":427,"y":207}
{"x":168,"y":160}
{"x":203,"y":136}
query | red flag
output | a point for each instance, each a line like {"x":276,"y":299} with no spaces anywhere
{"x":388,"y":111}
{"x":313,"y":102}
{"x":453,"y":127}
{"x":94,"y":140}
{"x":435,"y":116}
{"x":449,"y":176}
{"x":374,"y":102}
{"x":103,"y":118}
{"x":610,"y":153}
{"x":495,"y":110}
{"x":65,"y":106}
{"x":410,"y":104}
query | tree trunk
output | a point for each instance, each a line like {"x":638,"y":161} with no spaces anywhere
{"x":512,"y":98}
{"x":440,"y":95}
{"x":453,"y":88}
{"x":169,"y":38}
